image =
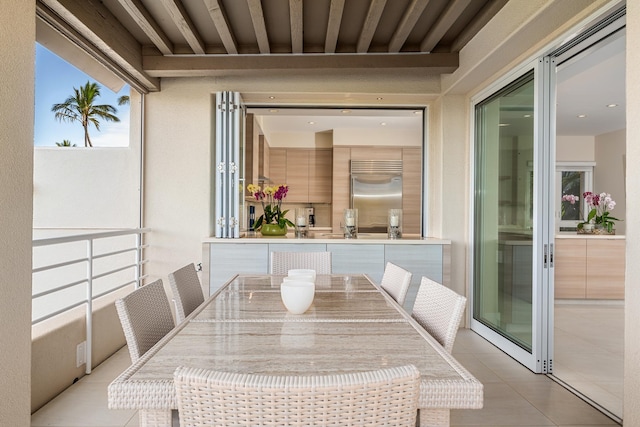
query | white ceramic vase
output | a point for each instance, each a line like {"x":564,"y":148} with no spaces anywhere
{"x":297,"y":296}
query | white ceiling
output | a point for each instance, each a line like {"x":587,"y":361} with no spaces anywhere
{"x":587,"y":84}
{"x":290,"y":120}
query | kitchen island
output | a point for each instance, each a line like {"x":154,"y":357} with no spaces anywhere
{"x":367,"y":254}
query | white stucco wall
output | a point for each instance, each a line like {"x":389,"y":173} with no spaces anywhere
{"x":632,"y":290}
{"x":81,"y":187}
{"x":17,"y":57}
{"x":178,"y":152}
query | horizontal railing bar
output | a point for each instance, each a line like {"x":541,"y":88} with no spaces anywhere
{"x":62,"y":264}
{"x":62,"y":310}
{"x":101,"y":275}
{"x":59,"y":288}
{"x":111,"y":290}
{"x":108,"y":254}
{"x":90,"y":236}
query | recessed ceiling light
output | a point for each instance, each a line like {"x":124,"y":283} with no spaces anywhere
{"x":273,"y":111}
{"x":612,"y":105}
{"x":527,"y":115}
{"x":417,"y":112}
{"x":346,"y":111}
{"x":312,"y":123}
{"x":581,"y":116}
{"x":383,"y":124}
{"x":272,"y":97}
{"x":503,"y":125}
{"x":379,"y":98}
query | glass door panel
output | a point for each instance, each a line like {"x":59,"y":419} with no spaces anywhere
{"x":504,"y":216}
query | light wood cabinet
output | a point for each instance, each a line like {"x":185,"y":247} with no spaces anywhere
{"x":307,"y":172}
{"x":411,"y":189}
{"x":278,"y":166}
{"x":605,"y":269}
{"x":298,"y":176}
{"x":320,"y":175}
{"x":570,"y":268}
{"x":590,"y":267}
{"x":341,"y":185}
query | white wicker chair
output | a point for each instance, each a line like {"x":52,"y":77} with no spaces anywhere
{"x":396,"y":281}
{"x":187,"y":291}
{"x":439,"y":310}
{"x":281,"y":262}
{"x":145,"y":315}
{"x":387,"y":397}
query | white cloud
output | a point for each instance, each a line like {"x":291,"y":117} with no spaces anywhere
{"x":112,"y":134}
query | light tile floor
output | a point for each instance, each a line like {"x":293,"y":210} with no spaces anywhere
{"x":513,"y":396}
{"x":589,"y":350}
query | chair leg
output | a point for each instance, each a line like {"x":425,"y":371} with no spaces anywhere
{"x":155,"y":418}
{"x":433,"y":417}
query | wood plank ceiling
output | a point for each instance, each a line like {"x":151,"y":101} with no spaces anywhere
{"x":145,"y":40}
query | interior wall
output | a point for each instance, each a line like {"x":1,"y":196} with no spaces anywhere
{"x":632,"y":290}
{"x":17,"y":59}
{"x":608,"y":174}
{"x":575,"y":148}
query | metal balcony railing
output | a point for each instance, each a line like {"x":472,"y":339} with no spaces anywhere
{"x":75,"y":270}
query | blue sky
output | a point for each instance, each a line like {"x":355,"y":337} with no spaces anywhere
{"x":55,"y":80}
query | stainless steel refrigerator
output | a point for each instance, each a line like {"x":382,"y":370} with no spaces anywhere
{"x":376,"y":187}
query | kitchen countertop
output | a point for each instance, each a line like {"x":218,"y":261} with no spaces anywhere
{"x":574,"y":235}
{"x":335,"y":238}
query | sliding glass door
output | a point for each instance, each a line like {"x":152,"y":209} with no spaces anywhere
{"x":509,"y":254}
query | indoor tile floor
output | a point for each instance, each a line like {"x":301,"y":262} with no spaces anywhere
{"x":513,"y":396}
{"x":589,"y":350}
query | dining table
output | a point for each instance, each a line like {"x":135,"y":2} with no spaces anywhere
{"x":353,"y":325}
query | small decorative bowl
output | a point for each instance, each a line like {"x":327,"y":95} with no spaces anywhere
{"x":297,"y":296}
{"x":302,"y":272}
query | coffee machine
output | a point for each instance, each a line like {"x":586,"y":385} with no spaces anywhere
{"x":311,"y":214}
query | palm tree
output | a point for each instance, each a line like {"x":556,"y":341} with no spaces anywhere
{"x":65,"y":143}
{"x":80,"y":108}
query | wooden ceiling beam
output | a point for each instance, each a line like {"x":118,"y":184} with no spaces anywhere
{"x":180,"y":17}
{"x":376,"y":7}
{"x":295,"y":18}
{"x":192,"y":66}
{"x":149,"y":26}
{"x":90,"y":25}
{"x":221,"y":22}
{"x":333,"y":26}
{"x":407,"y":23}
{"x":447,"y":18}
{"x":478,"y":22}
{"x":257,"y":17}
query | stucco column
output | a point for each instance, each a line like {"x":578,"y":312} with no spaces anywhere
{"x":17,"y":56}
{"x":632,"y":287}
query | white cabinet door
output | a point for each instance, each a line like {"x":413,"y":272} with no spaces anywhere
{"x":358,"y":258}
{"x":229,"y":259}
{"x":420,"y":260}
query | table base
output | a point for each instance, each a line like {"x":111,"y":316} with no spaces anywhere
{"x":164,"y":418}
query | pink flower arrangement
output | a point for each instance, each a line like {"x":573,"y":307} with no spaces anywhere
{"x":271,"y":199}
{"x":599,"y":206}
